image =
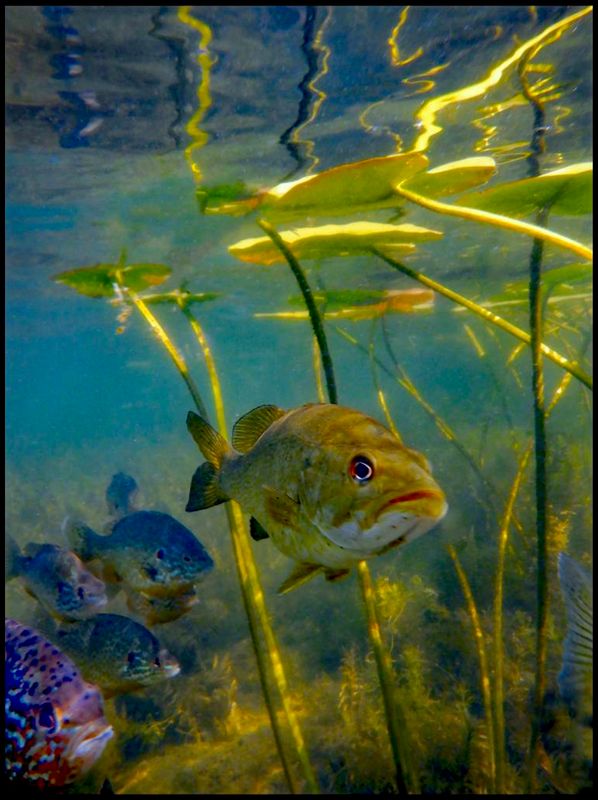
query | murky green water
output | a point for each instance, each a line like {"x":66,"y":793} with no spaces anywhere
{"x":115,"y":116}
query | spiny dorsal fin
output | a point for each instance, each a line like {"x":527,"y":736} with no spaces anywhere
{"x":248,"y":428}
{"x":256,"y":531}
{"x":209,"y":441}
{"x":204,"y":491}
{"x":300,"y":574}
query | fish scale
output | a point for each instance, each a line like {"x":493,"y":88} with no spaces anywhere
{"x":54,"y":723}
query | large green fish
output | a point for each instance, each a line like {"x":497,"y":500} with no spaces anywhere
{"x":329,"y":484}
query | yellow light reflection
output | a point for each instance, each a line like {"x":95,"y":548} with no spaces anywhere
{"x":427,"y":114}
{"x":199,"y":137}
{"x":395,"y":58}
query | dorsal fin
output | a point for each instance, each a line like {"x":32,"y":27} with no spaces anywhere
{"x":250,"y":426}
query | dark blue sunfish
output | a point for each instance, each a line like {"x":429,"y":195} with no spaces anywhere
{"x":575,"y":678}
{"x":148,"y":550}
{"x":55,"y":729}
{"x":57,"y":578}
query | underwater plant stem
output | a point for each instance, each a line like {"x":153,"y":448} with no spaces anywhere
{"x":484,"y":313}
{"x":317,"y":371}
{"x":253,"y":600}
{"x":383,"y":661}
{"x":380,"y":393}
{"x":498,"y":694}
{"x":498,"y":221}
{"x":384,"y":665}
{"x":314,"y":315}
{"x":163,"y":337}
{"x":482,"y":658}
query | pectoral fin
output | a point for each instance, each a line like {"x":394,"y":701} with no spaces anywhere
{"x":336,"y":574}
{"x":256,"y":531}
{"x":301,"y":574}
{"x":282,"y":508}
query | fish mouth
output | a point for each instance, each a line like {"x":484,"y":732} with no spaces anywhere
{"x":88,"y":742}
{"x":170,"y":665}
{"x":433,"y":505}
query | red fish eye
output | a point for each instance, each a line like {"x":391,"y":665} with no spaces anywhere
{"x":361,"y":469}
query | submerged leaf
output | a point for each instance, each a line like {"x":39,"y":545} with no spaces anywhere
{"x":228,"y":198}
{"x":345,"y":189}
{"x":342,"y":298}
{"x":99,"y":280}
{"x":566,"y":191}
{"x":176,"y":296}
{"x":452,"y":178}
{"x":334,"y":240}
{"x":391,"y":301}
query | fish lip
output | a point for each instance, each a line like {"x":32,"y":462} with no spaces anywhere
{"x":407,"y":497}
{"x":89,"y":741}
{"x":170,"y":665}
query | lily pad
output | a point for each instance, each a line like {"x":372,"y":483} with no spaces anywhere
{"x":566,"y":191}
{"x":457,"y":176}
{"x":99,"y":280}
{"x":188,"y":298}
{"x":335,"y":240}
{"x":342,"y":298}
{"x":345,"y":189}
{"x":391,"y":301}
{"x":230,"y":198}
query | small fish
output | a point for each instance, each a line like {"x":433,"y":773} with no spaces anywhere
{"x":329,"y":484}
{"x":121,"y":495}
{"x":148,"y":550}
{"x":116,"y":653}
{"x":56,"y":578}
{"x":55,"y":729}
{"x":158,"y":610}
{"x":575,"y":678}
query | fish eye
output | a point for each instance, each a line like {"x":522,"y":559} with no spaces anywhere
{"x":132,"y":658}
{"x":186,"y":558}
{"x":361,"y":469}
{"x":160,"y":553}
{"x":81,"y":592}
{"x":157,"y":661}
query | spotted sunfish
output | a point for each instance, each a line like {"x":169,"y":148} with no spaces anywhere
{"x":55,"y":729}
{"x":56,"y":578}
{"x":116,"y":653}
{"x":330,"y":485}
{"x":150,"y":551}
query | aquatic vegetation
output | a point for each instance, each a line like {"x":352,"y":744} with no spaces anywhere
{"x":418,"y":675}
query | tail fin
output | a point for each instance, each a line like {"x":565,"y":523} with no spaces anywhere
{"x":205,"y":491}
{"x":209,"y":441}
{"x":80,"y":538}
{"x":13,"y":559}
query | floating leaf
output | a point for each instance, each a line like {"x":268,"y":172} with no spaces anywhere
{"x":176,"y":296}
{"x":566,"y":191}
{"x":334,"y":240}
{"x":342,"y":298}
{"x":393,"y":301}
{"x":452,"y":178}
{"x":345,"y":189}
{"x":571,"y":273}
{"x":99,"y":280}
{"x":228,"y":198}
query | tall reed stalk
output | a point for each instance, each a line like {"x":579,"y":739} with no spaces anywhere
{"x":489,"y":316}
{"x":270,"y":667}
{"x":394,"y":717}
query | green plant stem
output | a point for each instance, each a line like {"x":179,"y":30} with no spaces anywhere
{"x":396,"y":725}
{"x":483,"y":661}
{"x":484,"y":313}
{"x":164,"y":339}
{"x":383,"y":660}
{"x":314,"y":316}
{"x":251,"y":591}
{"x":497,"y":221}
